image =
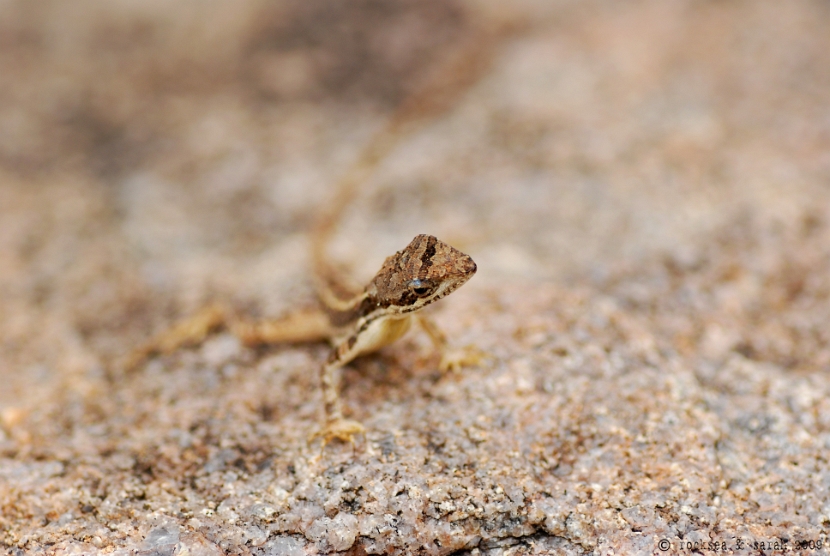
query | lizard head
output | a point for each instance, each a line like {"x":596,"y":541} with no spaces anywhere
{"x":423,"y":272}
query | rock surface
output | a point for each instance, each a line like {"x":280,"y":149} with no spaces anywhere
{"x":645,"y":188}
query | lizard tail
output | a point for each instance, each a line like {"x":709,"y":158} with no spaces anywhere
{"x":438,"y":93}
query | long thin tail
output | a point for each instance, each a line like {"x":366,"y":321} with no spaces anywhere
{"x":440,"y":92}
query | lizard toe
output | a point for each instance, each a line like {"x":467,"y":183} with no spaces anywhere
{"x":341,"y":429}
{"x":455,"y":359}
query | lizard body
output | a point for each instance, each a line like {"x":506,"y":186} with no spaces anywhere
{"x":423,"y":272}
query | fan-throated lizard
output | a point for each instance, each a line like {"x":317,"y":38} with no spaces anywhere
{"x":423,"y":272}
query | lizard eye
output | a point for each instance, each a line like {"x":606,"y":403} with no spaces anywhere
{"x":420,"y":288}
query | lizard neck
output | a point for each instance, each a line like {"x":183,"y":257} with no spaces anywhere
{"x":360,"y":311}
{"x":346,"y":312}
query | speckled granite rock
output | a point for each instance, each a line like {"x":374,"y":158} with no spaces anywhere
{"x":584,"y":427}
{"x":644,"y":189}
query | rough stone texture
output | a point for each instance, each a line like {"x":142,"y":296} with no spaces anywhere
{"x":645,"y":187}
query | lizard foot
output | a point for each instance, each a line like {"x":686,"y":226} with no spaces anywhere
{"x":189,"y":332}
{"x":342,"y":429}
{"x":454,"y":359}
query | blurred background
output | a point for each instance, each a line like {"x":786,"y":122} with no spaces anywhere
{"x":155,"y":156}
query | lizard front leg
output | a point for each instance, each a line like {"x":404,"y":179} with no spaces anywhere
{"x":330,"y":374}
{"x":452,"y":359}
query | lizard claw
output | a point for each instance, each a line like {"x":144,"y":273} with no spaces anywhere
{"x":342,"y":429}
{"x":454,"y":359}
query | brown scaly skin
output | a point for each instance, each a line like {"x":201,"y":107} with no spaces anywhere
{"x":424,"y":272}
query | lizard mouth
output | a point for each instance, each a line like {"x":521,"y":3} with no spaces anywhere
{"x":471,"y":269}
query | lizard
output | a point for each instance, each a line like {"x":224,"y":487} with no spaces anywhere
{"x":423,"y":272}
